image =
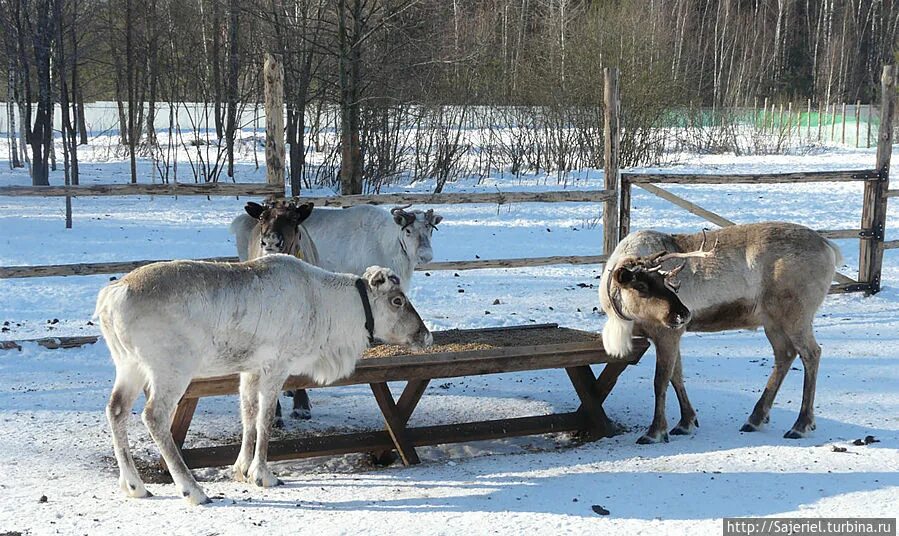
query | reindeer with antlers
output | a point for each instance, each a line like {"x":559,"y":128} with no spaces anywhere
{"x":772,"y":275}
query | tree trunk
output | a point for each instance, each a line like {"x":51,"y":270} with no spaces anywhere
{"x":349,"y":61}
{"x":11,"y":102}
{"x":233,"y":70}
{"x":132,"y":88}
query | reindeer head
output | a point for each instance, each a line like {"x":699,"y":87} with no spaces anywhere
{"x":647,"y":292}
{"x":279,"y":224}
{"x":415,"y":229}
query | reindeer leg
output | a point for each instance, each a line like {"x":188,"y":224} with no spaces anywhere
{"x":127,"y":387}
{"x":301,"y":407}
{"x":157,"y":415}
{"x":249,"y":410}
{"x":269,"y":387}
{"x":666,"y":357}
{"x":688,"y":421}
{"x":278,"y":422}
{"x":810,"y":354}
{"x":784,"y":354}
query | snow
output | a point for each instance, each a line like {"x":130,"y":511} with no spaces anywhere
{"x":54,"y":436}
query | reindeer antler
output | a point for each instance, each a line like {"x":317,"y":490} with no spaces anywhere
{"x":653,"y":263}
{"x":698,"y":254}
{"x":403,"y":208}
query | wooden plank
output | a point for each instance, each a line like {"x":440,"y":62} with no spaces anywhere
{"x":839,"y":233}
{"x":846,"y":288}
{"x":891,"y":193}
{"x":756,"y":178}
{"x":874,"y":204}
{"x":686,"y":205}
{"x":99,"y":268}
{"x":173,"y":188}
{"x":396,"y":425}
{"x":417,"y":367}
{"x":51,"y":343}
{"x":837,"y":276}
{"x":512,"y":263}
{"x":458,"y":198}
{"x":54,"y":343}
{"x":87,"y":268}
{"x":184,"y":414}
{"x":891,"y":244}
{"x":263,"y":189}
{"x":310,"y":447}
{"x":611,"y":149}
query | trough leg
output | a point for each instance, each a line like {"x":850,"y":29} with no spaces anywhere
{"x":396,"y":421}
{"x":183,"y":417}
{"x":584,"y":383}
{"x":412,"y":393}
{"x":608,"y":378}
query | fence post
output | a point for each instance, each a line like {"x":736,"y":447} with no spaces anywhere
{"x":858,"y":121}
{"x":874,"y":207}
{"x":612,"y":133}
{"x":273,"y":73}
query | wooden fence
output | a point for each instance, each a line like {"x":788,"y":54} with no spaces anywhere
{"x":276,"y":186}
{"x":871,"y":230}
{"x":616,"y":222}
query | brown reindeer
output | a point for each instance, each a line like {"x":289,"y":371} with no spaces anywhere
{"x":771,"y":275}
{"x":278,"y":228}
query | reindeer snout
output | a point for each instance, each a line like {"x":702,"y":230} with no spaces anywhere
{"x":680,"y":319}
{"x":424,"y":338}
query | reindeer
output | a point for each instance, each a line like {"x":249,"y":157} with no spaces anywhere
{"x":771,"y":275}
{"x":168,"y":323}
{"x":277,"y":227}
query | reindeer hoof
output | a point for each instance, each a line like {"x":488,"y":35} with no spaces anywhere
{"x":685,"y":428}
{"x":793,"y":434}
{"x":749,"y":427}
{"x":195,"y":497}
{"x":134,"y":490}
{"x":303,"y":414}
{"x":647,"y":439}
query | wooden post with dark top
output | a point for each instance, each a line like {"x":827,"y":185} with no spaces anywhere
{"x":273,"y":74}
{"x":624,"y":220}
{"x":612,"y":134}
{"x":874,"y":208}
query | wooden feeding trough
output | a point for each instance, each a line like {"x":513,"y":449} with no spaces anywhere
{"x":455,"y":353}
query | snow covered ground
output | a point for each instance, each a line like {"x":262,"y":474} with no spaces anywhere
{"x":55,"y":441}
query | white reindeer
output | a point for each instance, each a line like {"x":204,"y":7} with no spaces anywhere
{"x":171,"y":322}
{"x":351,"y":239}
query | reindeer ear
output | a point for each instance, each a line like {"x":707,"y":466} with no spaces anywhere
{"x":302,"y":212}
{"x":400,"y":217}
{"x":381,"y":279}
{"x":434,"y":218}
{"x":376,"y":276}
{"x":255,"y":210}
{"x":623,"y":275}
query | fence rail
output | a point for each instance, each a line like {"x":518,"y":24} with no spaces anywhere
{"x":758,"y":178}
{"x":101,"y":268}
{"x":172,"y":188}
